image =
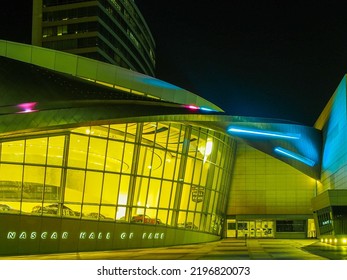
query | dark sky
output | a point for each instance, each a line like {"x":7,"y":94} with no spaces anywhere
{"x":280,"y":59}
{"x":261,"y":58}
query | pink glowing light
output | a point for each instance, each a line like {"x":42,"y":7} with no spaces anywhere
{"x":28,"y":107}
{"x":192,"y":107}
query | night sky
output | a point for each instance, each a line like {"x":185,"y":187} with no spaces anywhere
{"x":277,"y":59}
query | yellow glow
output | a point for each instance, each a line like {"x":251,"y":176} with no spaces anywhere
{"x":326,"y":240}
{"x":154,"y":97}
{"x":137,"y":92}
{"x":335,"y":240}
{"x":88,"y":79}
{"x":344,"y":240}
{"x":122,"y":88}
{"x":104,"y":84}
{"x":209,"y":145}
{"x":330,"y":240}
{"x":322,"y":240}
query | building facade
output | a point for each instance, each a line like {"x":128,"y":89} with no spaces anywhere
{"x":97,"y":157}
{"x":111,"y":31}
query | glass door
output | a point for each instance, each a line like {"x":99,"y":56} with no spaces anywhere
{"x":255,"y":229}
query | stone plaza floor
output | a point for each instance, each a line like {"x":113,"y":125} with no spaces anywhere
{"x":225,"y":249}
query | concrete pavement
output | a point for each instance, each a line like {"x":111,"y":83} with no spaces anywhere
{"x":226,"y":249}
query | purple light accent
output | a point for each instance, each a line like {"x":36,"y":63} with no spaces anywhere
{"x":28,"y":107}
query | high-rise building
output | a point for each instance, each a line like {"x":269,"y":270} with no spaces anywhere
{"x":111,"y":31}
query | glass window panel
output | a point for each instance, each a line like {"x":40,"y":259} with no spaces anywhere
{"x":219,"y":154}
{"x":99,"y":131}
{"x":9,"y":207}
{"x":215,"y":150}
{"x":141,"y":191}
{"x":208,"y":223}
{"x":107,"y":212}
{"x":165,"y":194}
{"x":33,"y":182}
{"x":197,"y":220}
{"x":30,"y":207}
{"x":117,"y":132}
{"x":222,"y":158}
{"x":182,"y":216}
{"x":91,"y":212}
{"x":162,"y":136}
{"x":157,"y":163}
{"x":216,"y":178}
{"x":153,"y":193}
{"x":145,"y":161}
{"x":215,"y":202}
{"x":55,"y":150}
{"x":36,"y":150}
{"x":114,"y":157}
{"x":204,"y":173}
{"x":169,"y":169}
{"x":191,"y":223}
{"x":177,"y":168}
{"x":196,"y":198}
{"x":53,"y":176}
{"x":74,"y":185}
{"x":152,"y":213}
{"x":185,"y":197}
{"x":149,"y":134}
{"x":189,"y":170}
{"x":162,"y":217}
{"x":12,"y":151}
{"x":136,"y":213}
{"x":169,"y":220}
{"x":130,"y":132}
{"x":128,"y":158}
{"x":11,"y":181}
{"x":92,"y":191}
{"x":120,"y":215}
{"x":110,"y":189}
{"x":123,"y":191}
{"x":96,"y":156}
{"x":82,"y":130}
{"x":70,"y":210}
{"x":210,"y":206}
{"x":197,"y":171}
{"x":173,"y":195}
{"x":11,"y":172}
{"x":78,"y":151}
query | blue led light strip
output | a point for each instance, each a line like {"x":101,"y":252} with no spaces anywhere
{"x":296,"y":156}
{"x":264,"y":133}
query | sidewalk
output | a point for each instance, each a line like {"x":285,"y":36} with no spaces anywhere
{"x":226,"y":249}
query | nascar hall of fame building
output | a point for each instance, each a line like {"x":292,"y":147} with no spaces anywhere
{"x":98,"y":156}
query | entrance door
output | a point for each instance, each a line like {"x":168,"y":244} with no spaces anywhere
{"x":255,"y":229}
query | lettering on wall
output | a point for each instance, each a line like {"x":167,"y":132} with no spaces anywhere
{"x":83,"y":235}
{"x":36,"y":235}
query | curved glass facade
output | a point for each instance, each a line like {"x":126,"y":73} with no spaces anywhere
{"x":164,"y":174}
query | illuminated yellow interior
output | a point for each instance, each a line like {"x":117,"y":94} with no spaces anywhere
{"x":174,"y":174}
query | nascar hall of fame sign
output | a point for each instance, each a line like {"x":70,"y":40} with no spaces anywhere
{"x":197,"y":194}
{"x":83,"y":235}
